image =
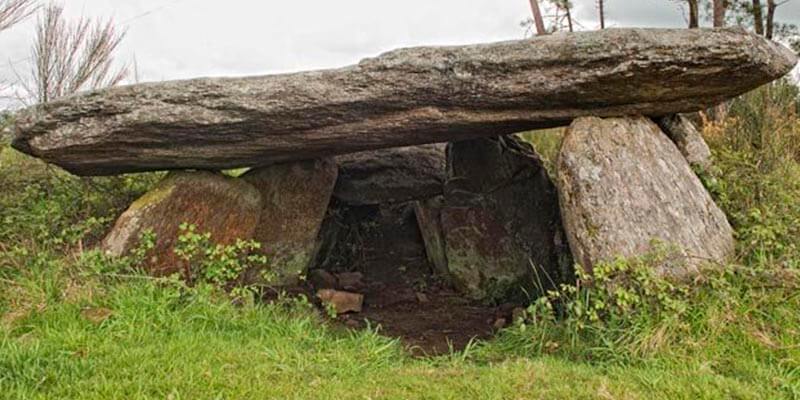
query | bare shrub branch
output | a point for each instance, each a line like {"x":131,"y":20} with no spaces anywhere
{"x":13,"y":12}
{"x":71,"y":57}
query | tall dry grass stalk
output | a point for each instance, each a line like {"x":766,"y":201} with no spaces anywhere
{"x":72,"y":57}
{"x":13,"y":12}
{"x":764,"y":122}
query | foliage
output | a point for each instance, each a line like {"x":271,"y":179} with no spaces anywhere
{"x":612,"y":294}
{"x":220,"y":265}
{"x":757,"y":181}
{"x":45,"y":211}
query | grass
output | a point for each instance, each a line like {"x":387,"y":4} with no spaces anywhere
{"x":76,"y":325}
{"x":161,"y":342}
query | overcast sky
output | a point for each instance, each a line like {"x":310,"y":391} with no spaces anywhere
{"x":173,"y":39}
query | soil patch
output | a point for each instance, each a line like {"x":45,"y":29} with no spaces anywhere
{"x":429,"y":322}
{"x":403,"y":298}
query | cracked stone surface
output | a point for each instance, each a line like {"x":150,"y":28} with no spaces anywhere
{"x":401,"y":98}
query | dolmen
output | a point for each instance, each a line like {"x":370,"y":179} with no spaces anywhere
{"x":417,"y":146}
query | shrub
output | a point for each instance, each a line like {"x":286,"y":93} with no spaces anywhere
{"x":45,"y":210}
{"x":757,"y":176}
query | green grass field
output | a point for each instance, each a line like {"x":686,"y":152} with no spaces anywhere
{"x":74,"y":325}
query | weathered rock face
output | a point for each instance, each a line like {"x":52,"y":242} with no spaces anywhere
{"x":688,"y":139}
{"x":228,"y":208}
{"x":499,"y":220}
{"x":295,"y":197}
{"x":406,"y":97}
{"x":622,"y":184}
{"x":391,"y":175}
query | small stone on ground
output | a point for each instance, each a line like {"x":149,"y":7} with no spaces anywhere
{"x":342,"y":302}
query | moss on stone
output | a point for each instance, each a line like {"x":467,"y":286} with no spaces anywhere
{"x":155,"y":196}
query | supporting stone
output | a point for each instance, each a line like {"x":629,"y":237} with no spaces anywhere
{"x":623,"y":184}
{"x":499,"y":220}
{"x":226,"y":207}
{"x":295,"y":198}
{"x":688,"y":139}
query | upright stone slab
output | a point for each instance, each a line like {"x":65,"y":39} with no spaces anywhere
{"x":429,"y":220}
{"x":499,"y":220}
{"x":295,"y":196}
{"x":226,"y":207}
{"x":623,"y":184}
{"x":688,"y":139}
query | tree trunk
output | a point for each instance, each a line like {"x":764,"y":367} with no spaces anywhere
{"x":602,"y":10}
{"x":694,"y":14}
{"x":771,"y":6}
{"x":719,"y":13}
{"x":758,"y":19}
{"x":720,"y":111}
{"x":537,"y":17}
{"x":569,"y":17}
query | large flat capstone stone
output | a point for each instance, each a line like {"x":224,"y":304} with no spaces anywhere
{"x":405,"y":97}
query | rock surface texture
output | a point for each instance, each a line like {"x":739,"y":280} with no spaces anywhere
{"x":391,"y":175}
{"x":499,"y":220}
{"x":623,"y":184}
{"x":405,"y":97}
{"x":295,"y":197}
{"x":226,"y":207}
{"x":688,"y":139}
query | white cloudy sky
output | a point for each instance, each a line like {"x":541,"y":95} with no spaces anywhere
{"x":172,"y":39}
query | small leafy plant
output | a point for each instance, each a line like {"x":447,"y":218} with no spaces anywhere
{"x":611,"y":294}
{"x":604,"y":313}
{"x":225,"y":266}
